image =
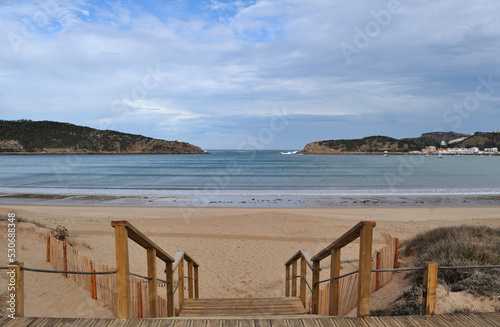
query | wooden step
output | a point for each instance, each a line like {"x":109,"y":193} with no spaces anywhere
{"x":242,"y":307}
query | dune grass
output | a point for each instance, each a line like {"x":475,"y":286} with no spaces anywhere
{"x":452,"y":246}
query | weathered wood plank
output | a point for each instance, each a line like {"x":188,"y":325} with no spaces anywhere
{"x":183,"y":323}
{"x":333,"y":309}
{"x":152,"y":283}
{"x":262,"y":323}
{"x":374,"y":322}
{"x":294,"y":323}
{"x":450,"y":320}
{"x":389,"y":321}
{"x":229,"y":323}
{"x":325,"y":322}
{"x":420,"y":321}
{"x":429,"y":290}
{"x":471,"y":320}
{"x":342,"y":322}
{"x":135,"y":235}
{"x":365,"y":267}
{"x":246,"y":323}
{"x":123,"y":275}
{"x":278,"y":323}
{"x":342,"y":241}
{"x":494,"y":320}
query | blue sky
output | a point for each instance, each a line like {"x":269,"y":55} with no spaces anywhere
{"x":254,"y":74}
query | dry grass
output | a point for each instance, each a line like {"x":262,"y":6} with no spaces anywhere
{"x":461,"y":246}
{"x":452,"y":246}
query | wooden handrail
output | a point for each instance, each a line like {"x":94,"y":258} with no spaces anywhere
{"x":135,"y":235}
{"x":301,"y":254}
{"x":123,"y":231}
{"x":342,"y":241}
{"x":362,"y":230}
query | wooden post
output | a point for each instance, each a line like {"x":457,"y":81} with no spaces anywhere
{"x":65,"y":258}
{"x":294,"y":279}
{"x":287,"y":280}
{"x":315,"y":288}
{"x":170,"y":288}
{"x":396,"y":254}
{"x":139,"y":300}
{"x":429,"y":291}
{"x":190,"y":279}
{"x":303,"y":274}
{"x":93,"y":282}
{"x":333,"y":309}
{"x":365,"y":267}
{"x":122,"y":275}
{"x":196,"y":284}
{"x":377,"y":274}
{"x":152,"y":283}
{"x":15,"y":300}
{"x":180,"y":289}
{"x":48,"y":247}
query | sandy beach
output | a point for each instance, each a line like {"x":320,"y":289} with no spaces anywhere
{"x":241,"y":251}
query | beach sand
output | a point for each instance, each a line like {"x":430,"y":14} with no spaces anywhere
{"x":241,"y":251}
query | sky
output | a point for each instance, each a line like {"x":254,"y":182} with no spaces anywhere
{"x":257,"y":74}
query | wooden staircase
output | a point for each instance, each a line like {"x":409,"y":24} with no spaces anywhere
{"x":289,"y":306}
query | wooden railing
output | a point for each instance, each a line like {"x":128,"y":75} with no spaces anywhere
{"x":364,"y":231}
{"x":124,"y":231}
{"x":192,"y":277}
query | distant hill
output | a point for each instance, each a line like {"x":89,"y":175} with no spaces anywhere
{"x":445,"y":136}
{"x":371,"y":144}
{"x":481,"y":140}
{"x":377,"y":144}
{"x":26,"y":136}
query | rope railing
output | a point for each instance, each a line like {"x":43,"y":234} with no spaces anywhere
{"x":408,"y":269}
{"x":69,"y":271}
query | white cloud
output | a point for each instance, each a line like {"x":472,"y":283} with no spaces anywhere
{"x":243,"y":58}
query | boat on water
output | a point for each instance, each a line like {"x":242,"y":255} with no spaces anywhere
{"x":290,"y":152}
{"x":386,"y":153}
{"x":440,"y":155}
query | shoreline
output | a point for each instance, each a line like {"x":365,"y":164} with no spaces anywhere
{"x":254,"y":201}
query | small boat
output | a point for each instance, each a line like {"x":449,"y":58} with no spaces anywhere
{"x":290,"y":152}
{"x":386,"y":153}
{"x":427,"y":155}
{"x":440,"y":155}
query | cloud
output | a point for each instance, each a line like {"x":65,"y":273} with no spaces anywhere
{"x":222,"y":67}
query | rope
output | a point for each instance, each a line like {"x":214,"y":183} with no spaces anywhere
{"x":398,"y":269}
{"x":70,"y":272}
{"x":176,"y":286}
{"x":293,"y":277}
{"x":310,"y":289}
{"x":4,"y":268}
{"x":466,"y":267}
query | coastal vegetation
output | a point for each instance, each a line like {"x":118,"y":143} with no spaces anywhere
{"x":378,"y":144}
{"x":371,"y":144}
{"x":452,"y":246}
{"x":26,"y":136}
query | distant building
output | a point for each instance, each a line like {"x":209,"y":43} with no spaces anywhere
{"x":431,"y":149}
{"x":491,"y":150}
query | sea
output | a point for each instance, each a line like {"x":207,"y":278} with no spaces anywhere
{"x":224,"y":178}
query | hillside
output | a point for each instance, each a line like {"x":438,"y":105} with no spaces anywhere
{"x":26,"y":136}
{"x":371,"y":144}
{"x":480,"y":140}
{"x":445,"y":136}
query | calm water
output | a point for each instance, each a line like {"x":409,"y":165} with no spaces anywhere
{"x":264,"y":173}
